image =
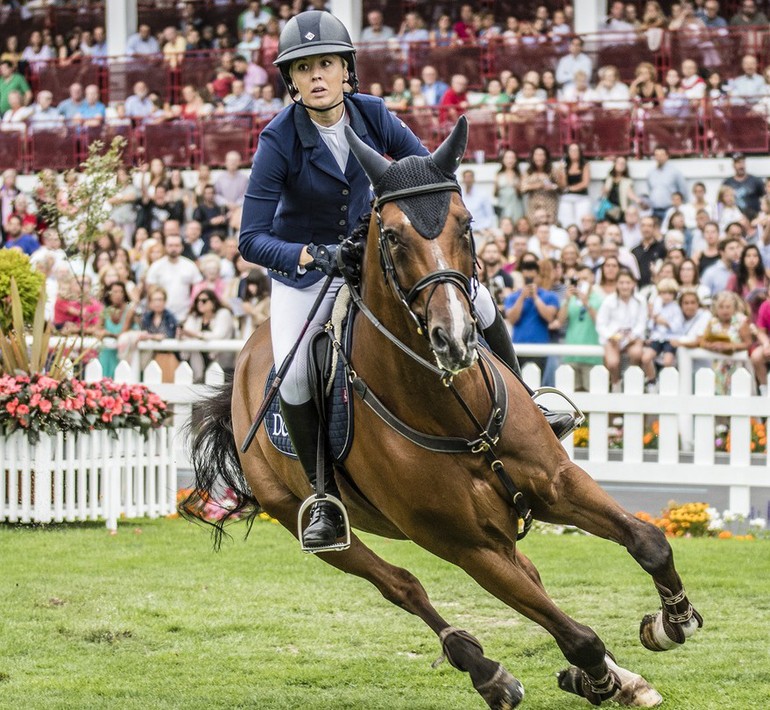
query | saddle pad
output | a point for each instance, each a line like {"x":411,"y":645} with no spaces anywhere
{"x":339,"y":413}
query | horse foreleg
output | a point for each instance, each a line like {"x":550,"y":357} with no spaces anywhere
{"x":583,"y":503}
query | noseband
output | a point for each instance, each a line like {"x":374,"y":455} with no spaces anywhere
{"x":452,"y":277}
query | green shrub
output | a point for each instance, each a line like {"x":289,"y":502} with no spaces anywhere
{"x":14,"y":264}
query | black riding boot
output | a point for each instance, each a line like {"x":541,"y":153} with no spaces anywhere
{"x":303,"y":425}
{"x":499,"y":339}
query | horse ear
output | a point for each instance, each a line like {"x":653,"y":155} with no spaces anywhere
{"x":449,"y":154}
{"x":372,"y":162}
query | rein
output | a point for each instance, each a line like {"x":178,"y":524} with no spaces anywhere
{"x":488,"y":435}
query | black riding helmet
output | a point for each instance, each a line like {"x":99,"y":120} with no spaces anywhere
{"x":311,"y":34}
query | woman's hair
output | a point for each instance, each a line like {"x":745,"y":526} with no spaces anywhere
{"x":743,"y":272}
{"x":209,"y":260}
{"x":648,"y":67}
{"x":723,"y":190}
{"x":581,"y":156}
{"x":212,"y":297}
{"x":261,"y":280}
{"x":668,"y":286}
{"x":152,"y":290}
{"x":615,"y":173}
{"x":604,"y":263}
{"x":121,"y":286}
{"x":547,"y":167}
{"x":696,"y":274}
{"x":727,"y":297}
{"x":688,"y":291}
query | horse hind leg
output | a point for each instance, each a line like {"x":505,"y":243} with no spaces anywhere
{"x":499,"y":689}
{"x":583,"y":503}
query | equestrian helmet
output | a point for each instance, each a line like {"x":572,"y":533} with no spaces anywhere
{"x":311,"y":34}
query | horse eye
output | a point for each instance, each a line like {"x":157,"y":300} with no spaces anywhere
{"x":392,"y":238}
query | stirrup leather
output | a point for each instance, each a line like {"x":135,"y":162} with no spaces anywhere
{"x":344,"y":544}
{"x":580,"y":417}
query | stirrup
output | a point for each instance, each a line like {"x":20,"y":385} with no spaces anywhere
{"x":337,"y":503}
{"x":580,"y":417}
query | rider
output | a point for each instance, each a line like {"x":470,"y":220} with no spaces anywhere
{"x":306,"y":190}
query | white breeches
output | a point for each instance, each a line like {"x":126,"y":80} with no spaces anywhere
{"x":289,"y":308}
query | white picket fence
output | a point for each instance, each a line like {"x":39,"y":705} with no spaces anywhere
{"x":92,"y":477}
{"x":89,"y":476}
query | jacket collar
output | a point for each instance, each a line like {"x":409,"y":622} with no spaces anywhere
{"x":309,"y":135}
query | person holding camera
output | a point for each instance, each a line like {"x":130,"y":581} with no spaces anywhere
{"x":578,"y":315}
{"x":530,"y":311}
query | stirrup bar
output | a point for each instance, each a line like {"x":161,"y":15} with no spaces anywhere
{"x":580,"y":417}
{"x":344,"y":544}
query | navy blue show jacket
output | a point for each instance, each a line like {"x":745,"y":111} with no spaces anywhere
{"x":297,"y":193}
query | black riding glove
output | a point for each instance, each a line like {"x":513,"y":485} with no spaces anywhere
{"x":324,"y":259}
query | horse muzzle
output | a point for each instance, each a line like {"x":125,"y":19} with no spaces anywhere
{"x":454,"y":354}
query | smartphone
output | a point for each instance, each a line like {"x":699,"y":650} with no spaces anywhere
{"x":528,"y":280}
{"x":585,"y":287}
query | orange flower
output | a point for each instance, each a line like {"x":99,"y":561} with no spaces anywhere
{"x":725,"y":535}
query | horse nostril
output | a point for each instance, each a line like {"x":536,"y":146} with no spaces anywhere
{"x":439,"y":339}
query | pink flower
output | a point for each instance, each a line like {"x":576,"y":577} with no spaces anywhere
{"x":11,"y":406}
{"x":34,"y":400}
{"x":22,"y":410}
{"x":45,"y":405}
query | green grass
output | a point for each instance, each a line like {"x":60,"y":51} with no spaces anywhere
{"x":154,"y":619}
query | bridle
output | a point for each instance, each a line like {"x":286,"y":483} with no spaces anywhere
{"x":464,"y":284}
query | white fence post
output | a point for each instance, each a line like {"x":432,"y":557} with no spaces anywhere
{"x":599,"y":384}
{"x":565,"y":381}
{"x":633,"y":422}
{"x":703,"y":453}
{"x":43,"y":507}
{"x":668,"y":424}
{"x":740,"y":442}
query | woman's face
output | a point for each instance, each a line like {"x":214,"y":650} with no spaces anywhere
{"x":751,"y":259}
{"x":204,"y":305}
{"x":494,"y":88}
{"x":625,"y":286}
{"x":689,"y":305}
{"x":210,"y":270}
{"x":319,"y":80}
{"x":687,"y":273}
{"x":399,"y":85}
{"x":157,"y":302}
{"x":610,"y":269}
{"x":549,"y":80}
{"x":156,"y":167}
{"x":620,"y":165}
{"x":509,"y":159}
{"x":569,"y":255}
{"x":116,"y":295}
{"x":672,"y":78}
{"x":725,"y":310}
{"x":728,"y":197}
{"x":699,"y":192}
{"x":644,"y":73}
{"x":666,"y":272}
{"x":102,"y":260}
{"x":538,"y":158}
{"x":573,"y":152}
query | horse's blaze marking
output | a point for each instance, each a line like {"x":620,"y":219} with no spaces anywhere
{"x":456,"y":312}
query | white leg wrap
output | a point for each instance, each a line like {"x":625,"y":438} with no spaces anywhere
{"x":635,"y":691}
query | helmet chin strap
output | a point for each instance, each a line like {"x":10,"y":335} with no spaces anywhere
{"x":299,"y":102}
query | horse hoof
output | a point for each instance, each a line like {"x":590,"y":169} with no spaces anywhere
{"x":658,"y":633}
{"x":573,"y":680}
{"x":502,"y":691}
{"x":634,"y":691}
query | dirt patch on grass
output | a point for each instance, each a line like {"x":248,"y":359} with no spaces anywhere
{"x":107,"y":636}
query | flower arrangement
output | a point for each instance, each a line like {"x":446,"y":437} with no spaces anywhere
{"x":758,"y":444}
{"x":650,"y":437}
{"x":701,"y":520}
{"x":40,"y":403}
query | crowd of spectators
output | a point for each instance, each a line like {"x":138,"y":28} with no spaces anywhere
{"x":639,"y":272}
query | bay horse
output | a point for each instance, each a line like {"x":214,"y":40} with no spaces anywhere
{"x":417,"y":286}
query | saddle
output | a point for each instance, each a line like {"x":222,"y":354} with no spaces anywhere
{"x":332,"y":390}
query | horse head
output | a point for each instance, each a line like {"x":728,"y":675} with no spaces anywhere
{"x":425,"y":244}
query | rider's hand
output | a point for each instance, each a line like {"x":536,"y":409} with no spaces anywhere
{"x":324,"y":258}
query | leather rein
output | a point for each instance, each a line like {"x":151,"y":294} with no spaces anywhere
{"x":488,"y":434}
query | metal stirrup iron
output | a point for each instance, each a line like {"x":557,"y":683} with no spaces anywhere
{"x":322,"y":496}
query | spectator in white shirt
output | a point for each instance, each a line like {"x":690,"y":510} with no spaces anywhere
{"x":573,"y":62}
{"x":142,"y":42}
{"x":692,"y":83}
{"x":230,"y":186}
{"x":44,"y":114}
{"x":15,"y":118}
{"x":610,"y":91}
{"x":37,"y":54}
{"x":377,"y":30}
{"x":749,"y":87}
{"x":478,"y":203}
{"x":620,"y":322}
{"x":139,"y":104}
{"x":176,"y":274}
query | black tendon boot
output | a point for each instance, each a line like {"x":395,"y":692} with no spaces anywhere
{"x":499,"y":340}
{"x":303,"y":425}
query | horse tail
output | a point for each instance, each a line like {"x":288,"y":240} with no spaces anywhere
{"x":220,"y":493}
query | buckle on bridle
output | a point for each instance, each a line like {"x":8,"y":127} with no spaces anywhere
{"x":484,"y":443}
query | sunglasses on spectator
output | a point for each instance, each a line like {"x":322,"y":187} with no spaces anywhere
{"x":203,"y":300}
